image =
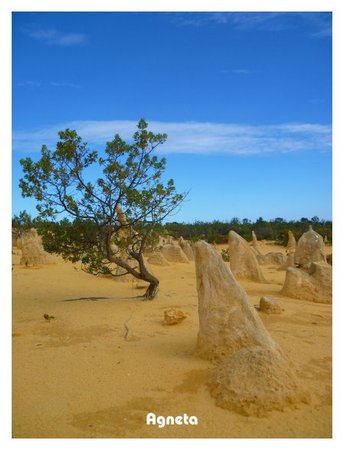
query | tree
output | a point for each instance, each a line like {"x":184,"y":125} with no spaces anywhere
{"x":22,"y":222}
{"x":113,"y":216}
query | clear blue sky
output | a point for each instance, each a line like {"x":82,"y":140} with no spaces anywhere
{"x":245,"y":99}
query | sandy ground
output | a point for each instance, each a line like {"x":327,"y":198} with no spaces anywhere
{"x":77,"y":376}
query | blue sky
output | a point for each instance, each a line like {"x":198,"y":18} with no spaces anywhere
{"x":245,"y":99}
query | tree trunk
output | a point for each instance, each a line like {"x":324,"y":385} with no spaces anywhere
{"x":141,"y":274}
{"x":151,"y":290}
{"x":151,"y":279}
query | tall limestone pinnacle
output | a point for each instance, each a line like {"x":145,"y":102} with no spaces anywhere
{"x":253,"y":376}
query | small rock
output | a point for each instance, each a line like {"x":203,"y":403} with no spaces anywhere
{"x":173,"y":316}
{"x":47,"y":317}
{"x":270,"y":305}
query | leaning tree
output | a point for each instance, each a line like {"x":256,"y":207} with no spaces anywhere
{"x":110,"y":201}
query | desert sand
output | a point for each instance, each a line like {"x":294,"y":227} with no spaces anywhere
{"x":105,"y":360}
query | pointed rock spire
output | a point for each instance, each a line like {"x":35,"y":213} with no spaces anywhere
{"x":243,"y":261}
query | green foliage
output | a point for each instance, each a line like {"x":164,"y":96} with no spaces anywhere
{"x":225,"y":255}
{"x":129,"y":176}
{"x":276,"y":230}
{"x":22,"y":222}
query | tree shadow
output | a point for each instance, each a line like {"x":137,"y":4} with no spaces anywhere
{"x":92,"y":299}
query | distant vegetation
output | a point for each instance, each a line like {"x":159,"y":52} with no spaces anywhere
{"x":276,"y":230}
{"x":217,"y":231}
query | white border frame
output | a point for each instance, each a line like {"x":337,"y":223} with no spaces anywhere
{"x":6,"y":9}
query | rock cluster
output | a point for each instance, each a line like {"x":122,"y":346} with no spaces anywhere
{"x":252,"y":376}
{"x":272,"y":258}
{"x":289,"y":261}
{"x":314,"y":285}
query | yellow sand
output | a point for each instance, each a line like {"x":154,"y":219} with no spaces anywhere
{"x":77,"y":375}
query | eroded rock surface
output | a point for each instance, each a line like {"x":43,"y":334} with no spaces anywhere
{"x":173,"y":316}
{"x":33,"y":253}
{"x":227,"y":320}
{"x":270,"y":305}
{"x":252,"y":377}
{"x":310,"y":248}
{"x":256,"y":380}
{"x":289,"y":262}
{"x":243,"y":261}
{"x":291,"y":246}
{"x":158,"y":259}
{"x":174,"y":253}
{"x":314,"y":285}
{"x":187,"y":249}
{"x":272,"y":258}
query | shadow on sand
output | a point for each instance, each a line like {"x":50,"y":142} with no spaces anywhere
{"x":92,"y":299}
